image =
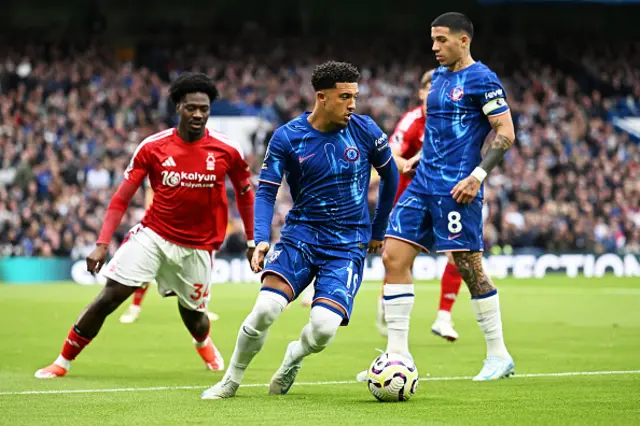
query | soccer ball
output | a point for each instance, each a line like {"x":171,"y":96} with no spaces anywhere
{"x":392,"y":377}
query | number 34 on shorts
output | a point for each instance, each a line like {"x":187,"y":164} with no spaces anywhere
{"x":434,"y":221}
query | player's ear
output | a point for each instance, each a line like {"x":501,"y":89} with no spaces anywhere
{"x":321,"y":96}
{"x":465,"y":40}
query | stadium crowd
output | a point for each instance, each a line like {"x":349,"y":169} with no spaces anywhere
{"x":71,"y":118}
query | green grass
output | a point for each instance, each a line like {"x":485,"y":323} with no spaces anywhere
{"x":551,"y":326}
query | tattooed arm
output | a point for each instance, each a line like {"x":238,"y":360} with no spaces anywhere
{"x":505,"y":136}
{"x":465,"y":191}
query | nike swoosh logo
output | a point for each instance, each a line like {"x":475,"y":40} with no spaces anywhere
{"x":431,"y":91}
{"x":453,"y":237}
{"x":302,"y":159}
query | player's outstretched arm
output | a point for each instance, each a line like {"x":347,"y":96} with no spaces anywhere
{"x":466,"y":190}
{"x":265,"y":201}
{"x":389,"y":178}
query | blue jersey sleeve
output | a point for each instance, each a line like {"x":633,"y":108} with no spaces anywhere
{"x":380,"y":151}
{"x":493,"y":97}
{"x":274,"y":161}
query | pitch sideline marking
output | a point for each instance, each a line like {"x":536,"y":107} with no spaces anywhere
{"x":341,"y":382}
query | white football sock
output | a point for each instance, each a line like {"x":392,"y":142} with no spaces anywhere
{"x":487,"y":310}
{"x":317,"y":334}
{"x":62,"y":362}
{"x":398,"y":302}
{"x":444,"y":316}
{"x":253,"y":332}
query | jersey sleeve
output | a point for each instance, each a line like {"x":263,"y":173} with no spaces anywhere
{"x":240,"y":172}
{"x":274,"y":161}
{"x":138,"y":167}
{"x":405,"y":139}
{"x":493,"y":98}
{"x":380,"y":153}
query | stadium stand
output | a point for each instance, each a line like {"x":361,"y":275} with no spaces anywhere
{"x":71,"y":117}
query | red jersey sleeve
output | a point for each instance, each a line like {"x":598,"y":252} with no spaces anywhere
{"x":405,"y":137}
{"x":138,"y":167}
{"x":240,"y":173}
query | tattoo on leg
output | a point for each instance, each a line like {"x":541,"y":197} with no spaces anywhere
{"x":470,"y":267}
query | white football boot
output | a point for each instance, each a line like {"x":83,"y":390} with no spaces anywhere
{"x":225,"y":388}
{"x":283,"y":379}
{"x":495,"y":368}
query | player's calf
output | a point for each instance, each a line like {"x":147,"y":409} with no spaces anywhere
{"x":486,"y":306}
{"x":87,"y":327}
{"x":199,"y":326}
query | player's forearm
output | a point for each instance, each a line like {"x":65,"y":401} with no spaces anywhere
{"x":389,"y":178}
{"x":264,"y":202}
{"x":115,"y":211}
{"x":497,"y":149}
{"x":245,"y":201}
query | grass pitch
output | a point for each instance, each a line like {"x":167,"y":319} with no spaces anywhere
{"x":559,"y":331}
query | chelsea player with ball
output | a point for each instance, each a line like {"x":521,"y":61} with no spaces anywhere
{"x":326,"y":157}
{"x":442,"y":206}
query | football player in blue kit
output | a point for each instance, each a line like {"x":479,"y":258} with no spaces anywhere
{"x":326,"y":158}
{"x":442,"y":207}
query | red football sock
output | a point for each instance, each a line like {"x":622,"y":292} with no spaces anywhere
{"x":138,"y":295}
{"x":73,"y":345}
{"x":449,"y":287}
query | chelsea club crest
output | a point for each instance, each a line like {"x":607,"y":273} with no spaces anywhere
{"x":456,"y":93}
{"x":351,"y":154}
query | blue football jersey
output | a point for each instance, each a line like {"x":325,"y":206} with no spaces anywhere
{"x":328,"y":175}
{"x":458,"y":105}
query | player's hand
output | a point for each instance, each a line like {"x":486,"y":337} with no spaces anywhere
{"x":96,"y":259}
{"x":249,"y":253}
{"x":375,"y":246}
{"x":411,"y":165}
{"x":466,"y":190}
{"x":257,"y":260}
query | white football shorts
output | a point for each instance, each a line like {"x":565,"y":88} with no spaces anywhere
{"x":145,"y":256}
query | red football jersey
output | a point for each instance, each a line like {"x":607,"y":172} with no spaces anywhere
{"x":407,"y":138}
{"x":190,"y":205}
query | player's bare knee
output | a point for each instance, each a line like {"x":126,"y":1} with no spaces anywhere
{"x":394,"y":263}
{"x":450,"y":259}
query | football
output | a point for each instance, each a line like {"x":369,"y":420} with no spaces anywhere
{"x":392,"y":377}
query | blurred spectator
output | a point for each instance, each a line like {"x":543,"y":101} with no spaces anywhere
{"x":70,"y":119}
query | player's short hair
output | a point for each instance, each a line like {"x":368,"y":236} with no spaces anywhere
{"x":325,"y":76}
{"x":426,"y":78}
{"x":455,"y":22}
{"x":192,"y":82}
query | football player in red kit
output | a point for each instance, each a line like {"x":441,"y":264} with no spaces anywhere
{"x":186,"y":223}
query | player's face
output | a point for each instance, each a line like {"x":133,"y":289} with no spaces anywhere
{"x":340,"y":103}
{"x":447,"y":46}
{"x":194,"y":111}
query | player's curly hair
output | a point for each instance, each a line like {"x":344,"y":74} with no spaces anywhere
{"x":455,"y":22}
{"x":325,"y":76}
{"x":192,"y":82}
